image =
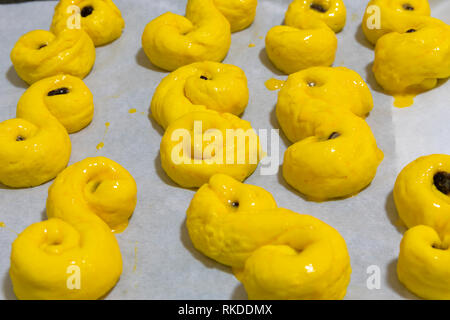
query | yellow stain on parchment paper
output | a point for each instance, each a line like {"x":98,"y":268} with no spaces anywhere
{"x":3,"y":225}
{"x":102,"y":144}
{"x":404,"y":100}
{"x":274,"y":84}
{"x":251,"y":45}
{"x":134,"y":110}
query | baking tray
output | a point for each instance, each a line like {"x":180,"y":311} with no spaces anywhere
{"x":159,"y":259}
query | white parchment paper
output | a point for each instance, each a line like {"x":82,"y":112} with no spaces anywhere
{"x":159,"y":260}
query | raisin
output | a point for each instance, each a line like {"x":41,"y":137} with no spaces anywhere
{"x":408,"y":7}
{"x":442,"y":182}
{"x":87,"y":11}
{"x":334,"y":135}
{"x":318,"y":7}
{"x":95,"y":186}
{"x":58,"y":92}
{"x":235,"y":204}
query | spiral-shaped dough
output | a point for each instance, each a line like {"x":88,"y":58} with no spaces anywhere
{"x":203,"y":143}
{"x":36,"y":145}
{"x":171,"y":41}
{"x":320,"y":89}
{"x":384,"y":16}
{"x":308,"y":37}
{"x":84,"y":203}
{"x":239,"y":13}
{"x":339,"y":160}
{"x":200,"y":86}
{"x":412,"y":50}
{"x":422,"y":190}
{"x":40,"y":54}
{"x":101,"y":19}
{"x":332,"y":12}
{"x":274,"y":252}
{"x":334,"y":153}
{"x":422,"y":198}
{"x":414,"y":59}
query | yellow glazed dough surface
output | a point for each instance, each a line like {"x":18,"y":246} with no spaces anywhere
{"x":412,"y":50}
{"x":308,"y":37}
{"x":40,"y":54}
{"x":393,"y":14}
{"x":36,"y":145}
{"x":239,"y":13}
{"x":200,"y":86}
{"x":204,"y":33}
{"x":413,"y":62}
{"x":171,"y":41}
{"x":424,"y":259}
{"x":333,"y":13}
{"x":322,"y":167}
{"x":320,"y":89}
{"x":84,"y":203}
{"x":274,"y":252}
{"x":322,"y":110}
{"x":101,"y":19}
{"x":208,"y":151}
{"x":417,"y":199}
{"x":423,"y":263}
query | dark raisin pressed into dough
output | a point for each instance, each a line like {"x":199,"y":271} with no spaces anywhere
{"x":408,"y":7}
{"x":87,"y":11}
{"x":95,"y":186}
{"x":334,"y":135}
{"x":318,"y":7}
{"x":58,"y":91}
{"x":442,"y":182}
